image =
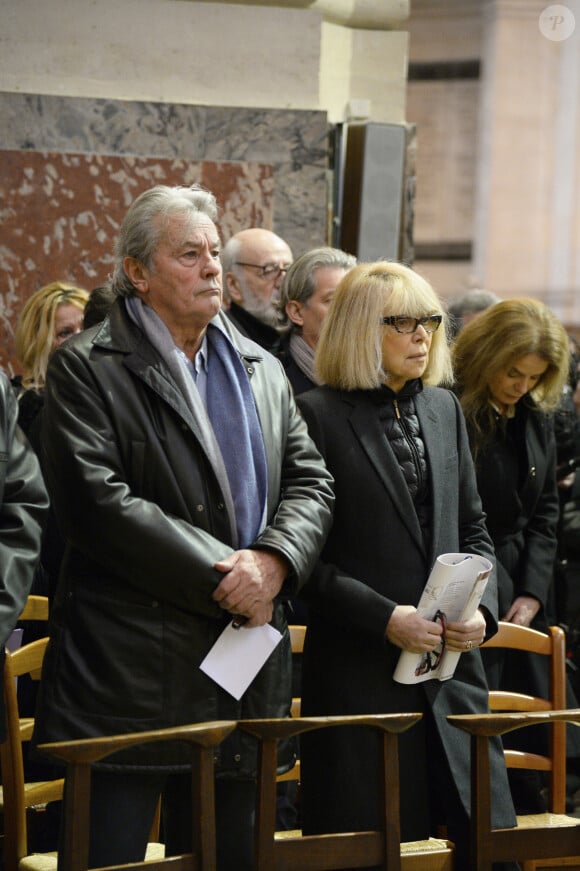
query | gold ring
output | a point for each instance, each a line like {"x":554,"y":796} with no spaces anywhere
{"x":469,"y":644}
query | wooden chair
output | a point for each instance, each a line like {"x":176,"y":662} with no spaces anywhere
{"x":203,"y":738}
{"x":297,"y":636}
{"x":552,"y":836}
{"x":35,"y":608}
{"x":18,"y":797}
{"x":20,"y":800}
{"x":286,"y":851}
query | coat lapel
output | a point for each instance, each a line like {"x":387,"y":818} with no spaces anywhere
{"x":119,"y":334}
{"x":435,"y":438}
{"x":371,"y":434}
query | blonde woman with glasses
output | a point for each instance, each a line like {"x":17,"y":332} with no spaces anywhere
{"x":405,"y":487}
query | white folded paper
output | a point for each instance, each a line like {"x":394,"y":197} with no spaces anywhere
{"x":238,"y":655}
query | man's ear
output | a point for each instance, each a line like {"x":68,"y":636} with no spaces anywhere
{"x":294,"y":312}
{"x":233,"y":288}
{"x":136,"y":273}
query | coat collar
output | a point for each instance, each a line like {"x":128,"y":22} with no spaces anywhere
{"x":119,"y":334}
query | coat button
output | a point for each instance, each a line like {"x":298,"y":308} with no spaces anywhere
{"x":220,"y":506}
{"x":237,"y":758}
{"x":199,"y":507}
{"x":250,"y":370}
{"x":533,"y":472}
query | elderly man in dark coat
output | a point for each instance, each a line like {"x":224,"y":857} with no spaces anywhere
{"x":192,"y":493}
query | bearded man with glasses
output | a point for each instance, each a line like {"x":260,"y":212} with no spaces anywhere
{"x":254,"y":264}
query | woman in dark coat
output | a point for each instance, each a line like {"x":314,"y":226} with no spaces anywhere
{"x":511,"y":365}
{"x":405,"y":493}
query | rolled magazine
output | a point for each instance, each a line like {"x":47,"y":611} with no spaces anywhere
{"x":453,"y":592}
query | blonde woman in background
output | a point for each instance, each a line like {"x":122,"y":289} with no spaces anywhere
{"x":50,"y":316}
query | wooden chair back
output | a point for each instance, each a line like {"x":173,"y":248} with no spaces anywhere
{"x":552,"y":645}
{"x":536,"y":836}
{"x":297,"y":636}
{"x":553,"y":836}
{"x":290,"y":850}
{"x":17,"y":795}
{"x":202,"y":738}
{"x":35,"y":608}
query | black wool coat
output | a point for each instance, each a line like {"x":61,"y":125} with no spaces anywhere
{"x":373,"y":560}
{"x":517,"y":484}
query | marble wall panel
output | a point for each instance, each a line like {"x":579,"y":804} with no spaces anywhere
{"x":295,"y":144}
{"x":266,"y":167}
{"x":60,"y":215}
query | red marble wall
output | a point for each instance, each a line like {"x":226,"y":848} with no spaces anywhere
{"x":59,"y":216}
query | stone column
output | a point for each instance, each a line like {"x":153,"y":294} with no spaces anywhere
{"x":527,"y":212}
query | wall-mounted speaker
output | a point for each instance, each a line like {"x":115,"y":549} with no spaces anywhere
{"x":374,"y":189}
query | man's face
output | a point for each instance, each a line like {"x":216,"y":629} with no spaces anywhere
{"x":184,"y":283}
{"x":310,"y":315}
{"x":249,"y":287}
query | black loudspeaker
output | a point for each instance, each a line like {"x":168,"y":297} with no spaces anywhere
{"x":373,"y":190}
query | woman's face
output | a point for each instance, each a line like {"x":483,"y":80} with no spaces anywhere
{"x":405,"y":355}
{"x":509,"y":385}
{"x":68,"y":320}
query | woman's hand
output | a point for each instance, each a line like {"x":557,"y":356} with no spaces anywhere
{"x":466,"y":635}
{"x":409,"y":631}
{"x":522,"y":611}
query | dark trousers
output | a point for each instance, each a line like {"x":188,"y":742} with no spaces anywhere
{"x":123,"y":805}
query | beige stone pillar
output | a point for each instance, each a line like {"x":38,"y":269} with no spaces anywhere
{"x":527,"y":211}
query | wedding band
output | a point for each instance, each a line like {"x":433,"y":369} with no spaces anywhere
{"x":469,"y":644}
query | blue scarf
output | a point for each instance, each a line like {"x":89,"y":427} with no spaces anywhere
{"x":229,"y":429}
{"x":232,"y":412}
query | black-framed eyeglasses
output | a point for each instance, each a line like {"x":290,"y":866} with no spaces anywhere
{"x":268,"y":270}
{"x":403,"y":324}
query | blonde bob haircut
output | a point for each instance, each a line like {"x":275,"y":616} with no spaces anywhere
{"x":35,"y":332}
{"x":349,"y":352}
{"x":491,"y":344}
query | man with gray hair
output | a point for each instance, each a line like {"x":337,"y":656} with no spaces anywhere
{"x":305,"y":296}
{"x":254,"y":262}
{"x":193,"y":501}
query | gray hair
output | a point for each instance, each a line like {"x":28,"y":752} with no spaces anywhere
{"x":300,"y":283}
{"x":475,"y":300}
{"x":146,"y":222}
{"x":228,"y":256}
